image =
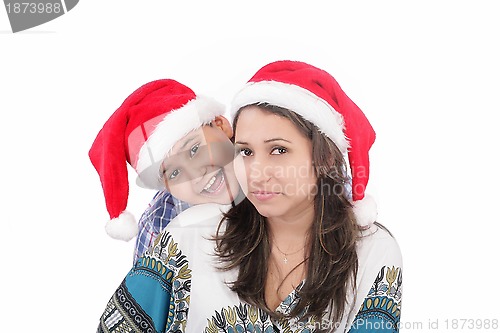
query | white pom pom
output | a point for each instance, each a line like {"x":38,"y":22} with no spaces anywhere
{"x":124,"y":227}
{"x":365,"y":211}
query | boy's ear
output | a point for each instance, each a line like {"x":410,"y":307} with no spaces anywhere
{"x":223,"y":124}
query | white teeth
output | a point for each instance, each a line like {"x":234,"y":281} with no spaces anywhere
{"x":210,"y":183}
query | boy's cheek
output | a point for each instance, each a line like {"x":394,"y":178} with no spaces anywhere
{"x":221,"y":153}
{"x":182,"y":191}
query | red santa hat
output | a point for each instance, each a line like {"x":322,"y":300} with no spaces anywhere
{"x":315,"y":95}
{"x":141,"y":132}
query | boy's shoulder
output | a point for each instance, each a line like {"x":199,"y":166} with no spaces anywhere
{"x":196,"y":222}
{"x":203,"y":215}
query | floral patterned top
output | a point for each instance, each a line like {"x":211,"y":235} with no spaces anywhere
{"x":176,"y":287}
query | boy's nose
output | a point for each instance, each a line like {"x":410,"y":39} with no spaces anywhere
{"x":195,"y":171}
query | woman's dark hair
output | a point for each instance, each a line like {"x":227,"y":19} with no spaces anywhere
{"x":331,"y":259}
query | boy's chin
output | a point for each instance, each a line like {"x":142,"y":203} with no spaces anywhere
{"x":202,"y":199}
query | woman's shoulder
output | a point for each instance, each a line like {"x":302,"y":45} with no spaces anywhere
{"x":377,"y":233}
{"x":378,"y":244}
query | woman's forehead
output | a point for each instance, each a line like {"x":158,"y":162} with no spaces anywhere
{"x":257,"y":124}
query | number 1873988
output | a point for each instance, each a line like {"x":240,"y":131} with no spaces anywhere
{"x":471,"y":324}
{"x":34,"y":8}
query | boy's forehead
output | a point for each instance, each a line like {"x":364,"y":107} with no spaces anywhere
{"x":191,"y":137}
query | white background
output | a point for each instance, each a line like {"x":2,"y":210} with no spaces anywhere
{"x":426,"y":73}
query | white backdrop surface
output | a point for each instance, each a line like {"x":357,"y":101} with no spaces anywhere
{"x":426,"y":73}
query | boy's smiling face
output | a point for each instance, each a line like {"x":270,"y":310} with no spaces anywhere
{"x":199,"y":169}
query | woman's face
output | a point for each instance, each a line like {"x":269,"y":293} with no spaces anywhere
{"x":199,"y":168}
{"x":275,"y":165}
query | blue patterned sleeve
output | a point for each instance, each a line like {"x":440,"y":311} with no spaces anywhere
{"x":154,"y":296}
{"x":381,"y":309}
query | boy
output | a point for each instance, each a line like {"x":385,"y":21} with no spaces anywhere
{"x":178,"y":143}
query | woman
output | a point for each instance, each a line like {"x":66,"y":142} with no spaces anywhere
{"x":307,"y":251}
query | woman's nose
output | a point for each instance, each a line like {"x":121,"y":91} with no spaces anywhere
{"x":259,"y":171}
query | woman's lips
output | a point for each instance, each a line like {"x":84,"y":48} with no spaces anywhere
{"x":264,"y":195}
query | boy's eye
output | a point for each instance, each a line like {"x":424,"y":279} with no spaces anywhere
{"x":245,"y":152}
{"x":194,"y":149}
{"x":174,"y":174}
{"x":278,"y":151}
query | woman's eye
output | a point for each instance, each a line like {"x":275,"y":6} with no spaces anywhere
{"x":245,"y":152}
{"x":194,"y":149}
{"x":174,"y":174}
{"x":278,"y":151}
